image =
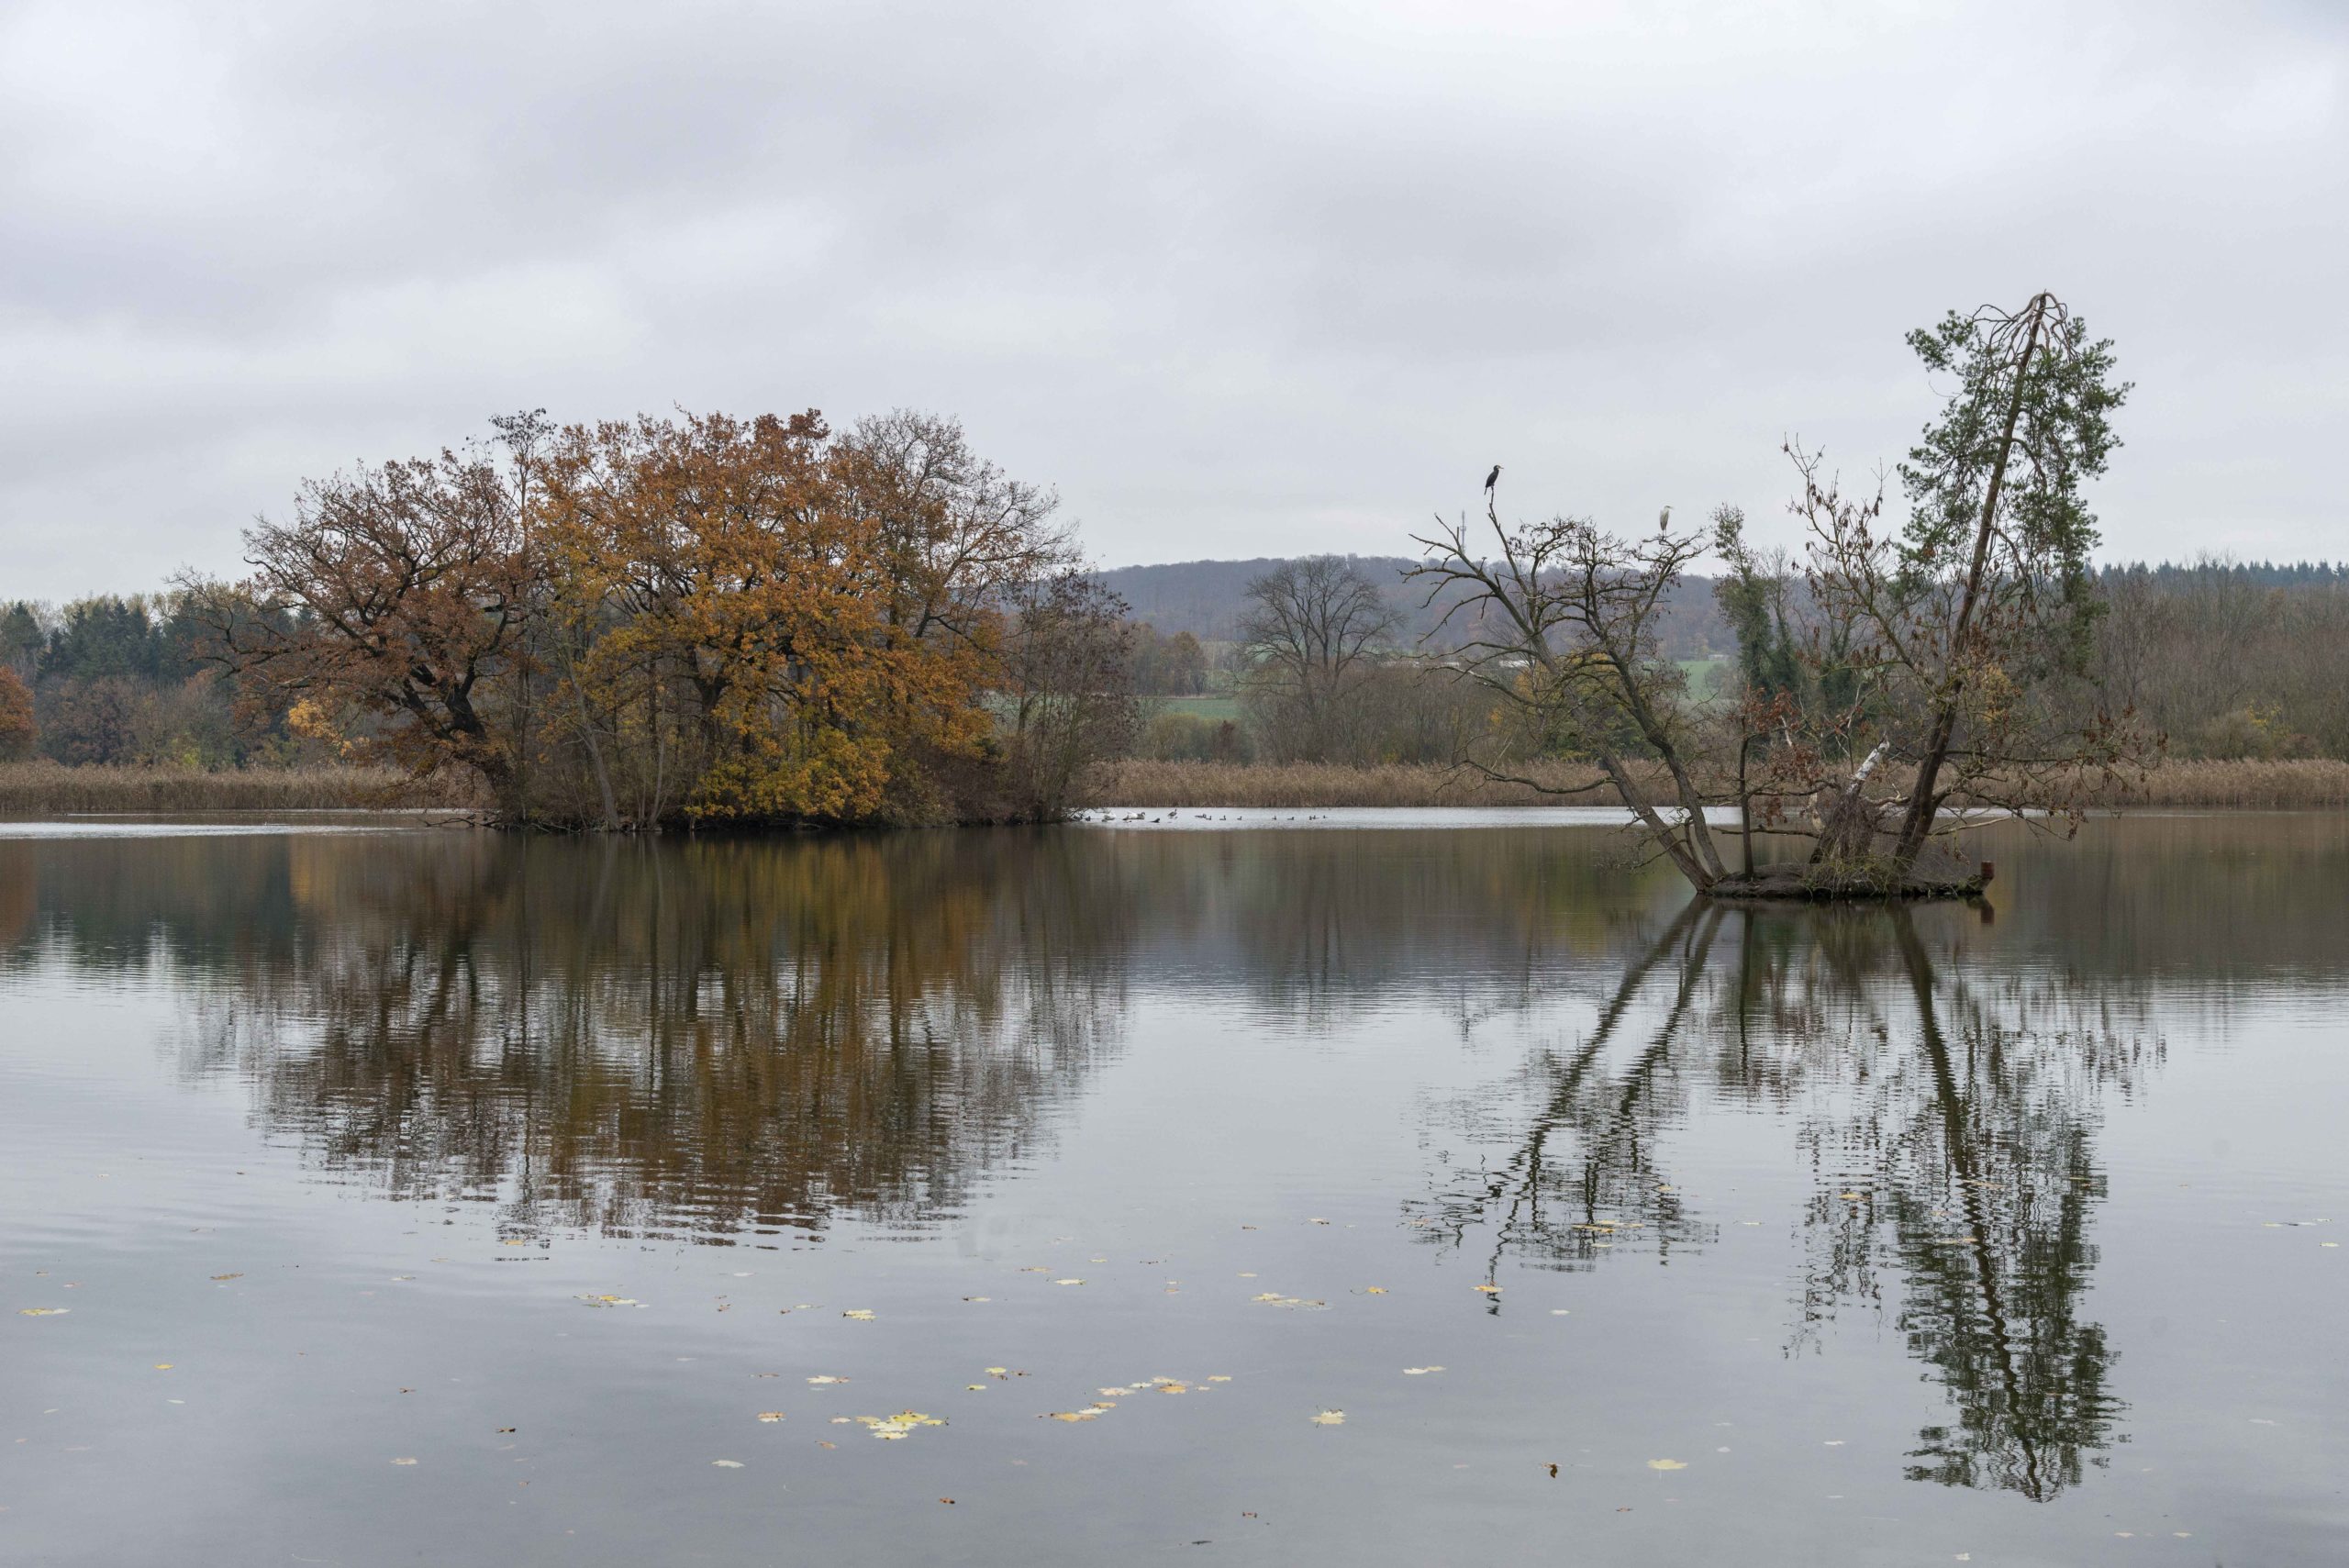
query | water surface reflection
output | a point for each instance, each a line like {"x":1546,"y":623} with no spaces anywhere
{"x":1897,"y":1151}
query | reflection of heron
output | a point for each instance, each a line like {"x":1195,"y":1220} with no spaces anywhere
{"x":1493,"y":478}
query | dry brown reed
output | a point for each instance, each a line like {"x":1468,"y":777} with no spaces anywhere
{"x":51,"y":789}
{"x":2251,"y":783}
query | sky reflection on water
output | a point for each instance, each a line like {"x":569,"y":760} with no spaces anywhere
{"x":1899,"y":1234}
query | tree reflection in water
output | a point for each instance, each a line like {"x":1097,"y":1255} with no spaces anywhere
{"x":1950,"y":1124}
{"x":738,"y":1042}
{"x":713,"y":1041}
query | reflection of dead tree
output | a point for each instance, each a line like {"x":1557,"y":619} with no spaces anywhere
{"x":1612,"y":1188}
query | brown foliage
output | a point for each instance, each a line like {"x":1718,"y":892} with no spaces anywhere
{"x":17,"y":732}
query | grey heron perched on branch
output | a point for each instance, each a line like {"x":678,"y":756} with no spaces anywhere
{"x":1493,"y":478}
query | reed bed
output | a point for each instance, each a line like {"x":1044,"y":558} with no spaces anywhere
{"x":2300,"y":784}
{"x":52,"y":789}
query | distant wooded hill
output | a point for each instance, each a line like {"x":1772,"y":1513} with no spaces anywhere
{"x":1206,"y":599}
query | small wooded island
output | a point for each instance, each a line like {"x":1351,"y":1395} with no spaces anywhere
{"x":1903,"y":685}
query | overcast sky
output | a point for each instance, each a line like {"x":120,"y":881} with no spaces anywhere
{"x":1237,"y":280}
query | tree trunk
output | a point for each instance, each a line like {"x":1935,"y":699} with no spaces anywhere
{"x":1922,"y":802}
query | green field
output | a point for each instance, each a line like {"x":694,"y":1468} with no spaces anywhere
{"x":1216,"y":708}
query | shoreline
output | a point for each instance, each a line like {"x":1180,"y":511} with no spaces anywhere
{"x":2299,"y":784}
{"x":50,"y":791}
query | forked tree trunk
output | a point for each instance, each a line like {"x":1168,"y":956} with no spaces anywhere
{"x":1924,"y":803}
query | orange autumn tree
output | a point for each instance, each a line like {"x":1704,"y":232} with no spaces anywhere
{"x":691,"y":619}
{"x":704,"y":556}
{"x":17,"y":731}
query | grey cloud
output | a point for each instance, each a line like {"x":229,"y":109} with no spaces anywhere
{"x":1236,"y":279}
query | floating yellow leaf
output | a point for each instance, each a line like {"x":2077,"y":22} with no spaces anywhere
{"x":770,"y":1415}
{"x":42,"y":1311}
{"x":1074,"y":1414}
{"x":897,"y":1426}
{"x":229,"y":1276}
{"x":1420,"y":1370}
{"x":861,"y":1315}
{"x":1490,"y":1289}
{"x":1219,"y":1380}
{"x":162,"y":1366}
{"x":826,"y":1377}
{"x":1329,"y":1418}
{"x":1666,"y":1464}
{"x":726,"y":1463}
{"x":1373,"y":1290}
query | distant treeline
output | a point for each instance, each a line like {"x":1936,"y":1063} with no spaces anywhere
{"x":2226,"y":659}
{"x":1208,"y":599}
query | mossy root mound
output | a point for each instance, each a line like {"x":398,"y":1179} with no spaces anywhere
{"x":1937,"y":873}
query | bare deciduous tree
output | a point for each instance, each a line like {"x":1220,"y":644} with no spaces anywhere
{"x":1565,"y":634}
{"x":1310,"y":635}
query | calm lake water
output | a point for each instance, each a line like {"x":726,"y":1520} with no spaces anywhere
{"x":1112,"y":1195}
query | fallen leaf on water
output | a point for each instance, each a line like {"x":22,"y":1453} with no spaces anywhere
{"x":978,"y":1298}
{"x":1074,"y":1414}
{"x":1273,"y":1298}
{"x":402,"y":1461}
{"x":1316,"y":1222}
{"x":975,"y":1388}
{"x":1329,"y":1418}
{"x":1373,"y":1290}
{"x":1068,"y":1282}
{"x":770,"y":1415}
{"x":862,"y":1314}
{"x":1035,"y":1270}
{"x":828,"y":1378}
{"x":999,"y":1371}
{"x":162,"y":1366}
{"x":1490,"y":1289}
{"x":1666,"y":1464}
{"x":1219,"y":1380}
{"x":726,"y":1463}
{"x":948,"y":1501}
{"x":823,"y":1444}
{"x":894,"y":1427}
{"x":611,"y":1301}
{"x":1173,"y":1388}
{"x":42,"y":1311}
{"x":1420,"y":1370}
{"x":229,"y":1276}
